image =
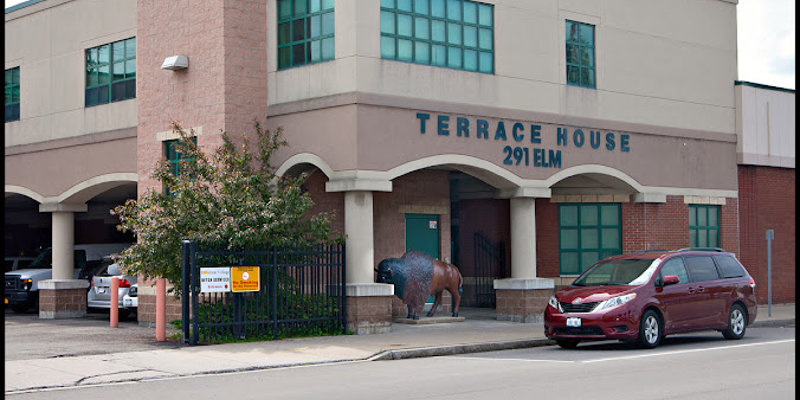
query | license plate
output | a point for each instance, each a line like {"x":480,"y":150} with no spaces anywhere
{"x":101,"y":291}
{"x":127,"y":302}
{"x":574,"y":322}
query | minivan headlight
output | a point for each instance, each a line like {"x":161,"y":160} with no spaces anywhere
{"x":615,"y":301}
{"x":555,"y":304}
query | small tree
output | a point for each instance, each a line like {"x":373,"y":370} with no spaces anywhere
{"x":234,"y":199}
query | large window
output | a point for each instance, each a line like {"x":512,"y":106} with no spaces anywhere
{"x":446,"y":33}
{"x":111,"y":72}
{"x":12,"y":94}
{"x":588,"y":232}
{"x":305,"y":32}
{"x":580,"y":54}
{"x":703,"y":226}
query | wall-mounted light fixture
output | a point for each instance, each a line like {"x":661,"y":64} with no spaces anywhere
{"x":175,"y":63}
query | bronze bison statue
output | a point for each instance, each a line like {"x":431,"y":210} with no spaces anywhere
{"x":417,"y":275}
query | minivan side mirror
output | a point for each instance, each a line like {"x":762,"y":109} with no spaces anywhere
{"x":671,"y":280}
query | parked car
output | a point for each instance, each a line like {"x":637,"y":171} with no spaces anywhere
{"x":99,"y":296}
{"x":22,"y":285}
{"x":648,"y":295}
{"x":131,"y":299}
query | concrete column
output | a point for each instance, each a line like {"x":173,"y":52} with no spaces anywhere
{"x":62,"y":296}
{"x":523,"y":237}
{"x":358,"y":226}
{"x":523,"y":297}
{"x":63,"y":243}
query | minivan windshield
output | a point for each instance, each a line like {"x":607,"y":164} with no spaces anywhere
{"x":635,"y":271}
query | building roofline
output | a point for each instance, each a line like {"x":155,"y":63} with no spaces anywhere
{"x":22,"y":5}
{"x":762,"y":86}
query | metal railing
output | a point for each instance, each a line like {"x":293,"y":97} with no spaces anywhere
{"x":301,"y":292}
{"x":489,"y":261}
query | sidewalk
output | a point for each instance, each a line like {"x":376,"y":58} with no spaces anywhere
{"x":479,"y":332}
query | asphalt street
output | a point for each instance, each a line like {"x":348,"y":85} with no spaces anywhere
{"x":693,"y":366}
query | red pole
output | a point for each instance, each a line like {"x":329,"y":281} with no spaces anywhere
{"x":161,"y":310}
{"x":114,"y":300}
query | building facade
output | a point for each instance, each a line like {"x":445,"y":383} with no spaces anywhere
{"x":521,"y":141}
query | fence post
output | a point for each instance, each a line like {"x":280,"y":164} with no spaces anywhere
{"x":185,"y":276}
{"x":274,"y":292}
{"x":343,"y":287}
{"x":195,"y":277}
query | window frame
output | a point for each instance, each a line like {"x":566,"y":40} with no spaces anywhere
{"x":426,"y":42}
{"x":323,"y":8}
{"x":696,"y":228}
{"x":11,"y":111}
{"x":603,"y":252}
{"x":96,"y":92}
{"x":170,"y":147}
{"x":579,"y":44}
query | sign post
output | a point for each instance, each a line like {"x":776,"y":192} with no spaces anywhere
{"x":770,"y":238}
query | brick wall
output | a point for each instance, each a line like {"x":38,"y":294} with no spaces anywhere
{"x":645,"y":226}
{"x":767,"y":201}
{"x":146,"y":312}
{"x":62,"y":303}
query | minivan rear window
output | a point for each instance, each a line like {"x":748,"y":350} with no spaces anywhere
{"x":701,"y":268}
{"x":729,"y":267}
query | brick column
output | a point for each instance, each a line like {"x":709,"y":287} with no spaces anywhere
{"x":62,"y":298}
{"x":369,"y":308}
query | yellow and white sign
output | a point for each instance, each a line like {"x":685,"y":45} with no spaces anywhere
{"x":245,"y":279}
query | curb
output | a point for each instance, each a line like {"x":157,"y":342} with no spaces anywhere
{"x":771,"y":323}
{"x":401,"y":354}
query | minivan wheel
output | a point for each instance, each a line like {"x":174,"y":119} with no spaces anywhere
{"x":737,"y":323}
{"x":567,"y":343}
{"x":650,"y":330}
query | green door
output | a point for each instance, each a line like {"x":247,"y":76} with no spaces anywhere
{"x":422,"y":233}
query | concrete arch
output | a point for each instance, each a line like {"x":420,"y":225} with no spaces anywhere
{"x":86,"y":190}
{"x":21,"y":190}
{"x":486,"y":171}
{"x":595,"y":169}
{"x":297,"y":160}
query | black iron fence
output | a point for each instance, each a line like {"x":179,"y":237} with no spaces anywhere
{"x":490,"y":259}
{"x":262,"y":294}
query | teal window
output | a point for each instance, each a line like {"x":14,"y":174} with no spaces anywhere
{"x":703,"y":226}
{"x":305,"y":32}
{"x":173,"y":155}
{"x":587,"y":232}
{"x":111,"y":72}
{"x":446,"y":33}
{"x":12,"y":94}
{"x":580,"y":54}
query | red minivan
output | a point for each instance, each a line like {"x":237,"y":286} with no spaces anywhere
{"x":647,"y":295}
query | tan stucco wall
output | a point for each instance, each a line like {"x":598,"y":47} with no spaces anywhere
{"x":383,"y":139}
{"x":47,"y":41}
{"x":51,"y":171}
{"x":660,"y":63}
